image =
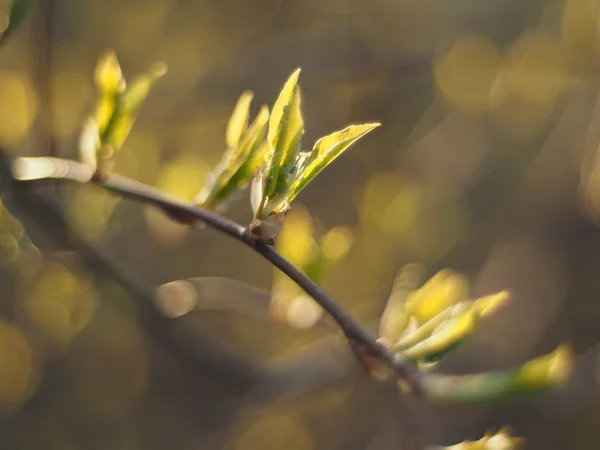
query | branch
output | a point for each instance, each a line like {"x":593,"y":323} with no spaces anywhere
{"x":30,"y":169}
{"x":47,"y":220}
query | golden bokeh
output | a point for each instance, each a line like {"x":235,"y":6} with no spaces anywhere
{"x":113,"y":380}
{"x":537,"y":68}
{"x":18,"y":106}
{"x":72,"y":91}
{"x":18,"y":376}
{"x":90,"y":211}
{"x":58,"y":307}
{"x":466,"y":74}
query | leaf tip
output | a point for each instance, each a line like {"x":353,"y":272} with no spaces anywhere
{"x":550,"y":370}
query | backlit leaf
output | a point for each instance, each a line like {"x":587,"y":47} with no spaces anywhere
{"x":450,"y":334}
{"x":286,"y":128}
{"x":136,"y":93}
{"x":238,"y":122}
{"x":108,"y":75}
{"x":325,"y":151}
{"x":238,"y":165}
{"x":537,"y":375}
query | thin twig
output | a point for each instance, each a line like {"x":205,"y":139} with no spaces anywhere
{"x":30,"y":169}
{"x":44,"y":214}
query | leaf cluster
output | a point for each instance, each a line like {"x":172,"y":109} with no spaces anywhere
{"x":117,"y":108}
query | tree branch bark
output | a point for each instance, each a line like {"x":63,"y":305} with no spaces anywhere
{"x":43,"y":168}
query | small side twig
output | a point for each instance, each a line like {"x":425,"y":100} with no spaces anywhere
{"x":29,"y":169}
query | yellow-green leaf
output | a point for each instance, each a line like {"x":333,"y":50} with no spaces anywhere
{"x":450,"y":334}
{"x":108,"y":74}
{"x":286,"y":128}
{"x":424,"y":331}
{"x":444,"y":289}
{"x":238,"y":165}
{"x":238,"y":122}
{"x":325,"y":151}
{"x":537,"y":375}
{"x":136,"y":93}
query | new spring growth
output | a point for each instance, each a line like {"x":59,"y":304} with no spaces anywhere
{"x":535,"y":376}
{"x":286,"y":169}
{"x":116,"y":110}
{"x":425,"y":323}
{"x":246,"y":150}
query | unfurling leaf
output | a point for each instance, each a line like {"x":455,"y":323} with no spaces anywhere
{"x":286,"y":128}
{"x":240,"y":161}
{"x":108,"y":75}
{"x":286,"y":170}
{"x":238,"y":122}
{"x":446,"y":336}
{"x":135,"y":94}
{"x":325,"y":151}
{"x":116,"y":111}
{"x":537,"y":375}
{"x":444,"y":289}
{"x":427,"y":323}
{"x":18,"y":12}
{"x":131,"y":102}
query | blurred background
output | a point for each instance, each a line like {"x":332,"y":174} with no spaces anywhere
{"x":487,"y":162}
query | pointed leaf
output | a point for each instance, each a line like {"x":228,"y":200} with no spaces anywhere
{"x":286,"y":128}
{"x":428,"y":328}
{"x":18,"y":12}
{"x":325,"y":151}
{"x":136,"y":93}
{"x":129,"y":104}
{"x":250,"y":143}
{"x":236,"y":168}
{"x":537,"y":375}
{"x":449,"y":335}
{"x":444,"y":289}
{"x":238,"y":122}
{"x":108,"y":75}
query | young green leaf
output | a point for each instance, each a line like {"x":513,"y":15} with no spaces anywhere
{"x":108,"y":75}
{"x":325,"y":151}
{"x":116,"y":111}
{"x":136,"y":93}
{"x":446,"y":338}
{"x":537,"y":375}
{"x":18,"y":12}
{"x":239,"y":163}
{"x":424,"y":331}
{"x":286,"y":128}
{"x":238,"y":122}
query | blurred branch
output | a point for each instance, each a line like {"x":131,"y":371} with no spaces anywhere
{"x":363,"y":342}
{"x":43,"y":214}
